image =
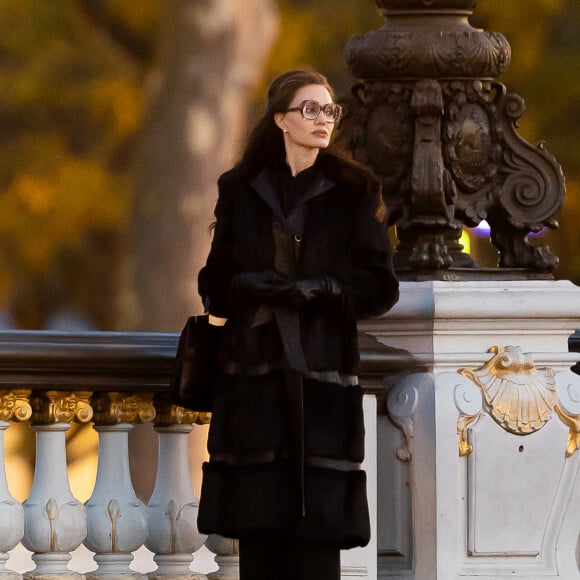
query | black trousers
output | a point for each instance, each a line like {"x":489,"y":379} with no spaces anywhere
{"x":283,"y":557}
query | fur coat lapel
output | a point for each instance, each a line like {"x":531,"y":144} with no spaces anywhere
{"x":263,"y":186}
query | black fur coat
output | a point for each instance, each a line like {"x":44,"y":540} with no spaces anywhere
{"x":287,"y":434}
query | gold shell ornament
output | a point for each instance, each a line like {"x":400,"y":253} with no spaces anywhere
{"x":520,"y":397}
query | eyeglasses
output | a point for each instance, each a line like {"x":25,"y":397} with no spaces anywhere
{"x":310,"y":109}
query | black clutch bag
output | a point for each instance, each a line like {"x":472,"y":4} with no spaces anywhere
{"x":196,"y":364}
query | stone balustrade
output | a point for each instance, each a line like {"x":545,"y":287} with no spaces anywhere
{"x":114,"y":381}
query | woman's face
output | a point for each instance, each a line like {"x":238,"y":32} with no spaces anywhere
{"x":306,"y":133}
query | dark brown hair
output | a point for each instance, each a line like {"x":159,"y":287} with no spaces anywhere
{"x":266,"y":143}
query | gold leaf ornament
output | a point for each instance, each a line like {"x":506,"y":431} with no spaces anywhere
{"x":520,"y":396}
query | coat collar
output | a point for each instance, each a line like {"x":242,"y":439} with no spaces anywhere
{"x":262,"y":184}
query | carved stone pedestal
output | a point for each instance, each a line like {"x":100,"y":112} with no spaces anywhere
{"x":478,"y":444}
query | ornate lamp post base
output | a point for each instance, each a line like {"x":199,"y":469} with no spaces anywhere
{"x":440,"y":133}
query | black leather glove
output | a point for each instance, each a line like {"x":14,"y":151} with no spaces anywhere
{"x":267,"y":287}
{"x":310,"y":289}
{"x":274,"y":289}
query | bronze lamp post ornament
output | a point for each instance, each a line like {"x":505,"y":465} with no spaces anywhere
{"x":441,"y":135}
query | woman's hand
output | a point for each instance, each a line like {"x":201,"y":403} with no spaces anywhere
{"x":267,"y":287}
{"x":274,"y":289}
{"x":310,"y":289}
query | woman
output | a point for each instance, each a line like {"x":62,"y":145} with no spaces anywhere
{"x":299,"y":254}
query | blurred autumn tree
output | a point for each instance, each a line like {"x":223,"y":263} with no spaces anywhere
{"x":76,"y":80}
{"x":71,"y":91}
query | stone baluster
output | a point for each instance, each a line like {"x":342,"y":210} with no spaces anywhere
{"x":173,"y":507}
{"x":227,"y":558}
{"x":55,"y":521}
{"x":14,"y":405}
{"x":116,"y":518}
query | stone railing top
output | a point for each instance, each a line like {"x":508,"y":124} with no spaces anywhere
{"x":123,"y":361}
{"x":87,"y":360}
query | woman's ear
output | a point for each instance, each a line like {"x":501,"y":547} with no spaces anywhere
{"x":279,"y":120}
